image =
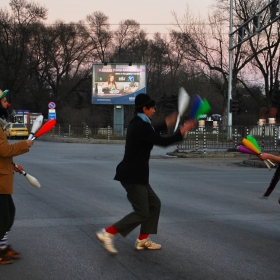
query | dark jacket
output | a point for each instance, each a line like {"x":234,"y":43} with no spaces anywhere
{"x":140,"y":139}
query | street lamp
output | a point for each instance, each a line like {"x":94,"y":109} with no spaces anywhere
{"x":230,"y":71}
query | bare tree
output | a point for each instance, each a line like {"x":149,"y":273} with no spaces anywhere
{"x":64,"y":60}
{"x":100,"y":35}
{"x":210,"y":48}
{"x":16,"y":31}
{"x":124,"y":38}
{"x":259,"y":56}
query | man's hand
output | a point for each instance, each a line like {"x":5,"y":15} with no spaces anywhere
{"x":18,"y":168}
{"x":29,"y":143}
{"x":267,"y":156}
{"x":188,"y":125}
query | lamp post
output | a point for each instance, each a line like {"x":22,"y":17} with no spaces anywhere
{"x":230,"y":71}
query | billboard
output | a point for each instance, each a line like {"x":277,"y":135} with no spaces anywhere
{"x":118,"y":83}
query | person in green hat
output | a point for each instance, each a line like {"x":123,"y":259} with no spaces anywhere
{"x":3,"y":109}
{"x":7,"y":168}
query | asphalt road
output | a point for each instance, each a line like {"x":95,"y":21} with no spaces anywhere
{"x":213,"y":223}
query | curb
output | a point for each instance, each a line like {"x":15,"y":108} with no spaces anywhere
{"x":200,"y":154}
{"x":82,"y":140}
{"x":251,"y":161}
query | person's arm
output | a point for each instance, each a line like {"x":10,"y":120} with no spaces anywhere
{"x":168,"y":122}
{"x":29,"y":142}
{"x":265,"y":156}
{"x":171,"y":119}
{"x":188,"y":125}
{"x":11,"y":150}
{"x":146,"y":133}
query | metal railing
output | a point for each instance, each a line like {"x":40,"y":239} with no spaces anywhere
{"x":201,"y":138}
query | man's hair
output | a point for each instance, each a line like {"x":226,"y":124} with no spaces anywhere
{"x":143,"y":100}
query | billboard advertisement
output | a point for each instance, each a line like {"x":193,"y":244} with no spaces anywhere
{"x":118,"y":83}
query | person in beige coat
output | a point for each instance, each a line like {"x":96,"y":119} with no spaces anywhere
{"x":7,"y":168}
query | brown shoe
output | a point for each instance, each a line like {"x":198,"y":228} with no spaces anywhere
{"x":146,"y":244}
{"x":5,"y":260}
{"x":10,"y":253}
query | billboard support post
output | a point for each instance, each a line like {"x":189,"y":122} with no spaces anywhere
{"x":119,"y":120}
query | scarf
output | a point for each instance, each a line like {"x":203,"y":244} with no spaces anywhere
{"x":145,"y":118}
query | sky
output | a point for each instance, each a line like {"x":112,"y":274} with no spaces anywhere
{"x":153,"y":15}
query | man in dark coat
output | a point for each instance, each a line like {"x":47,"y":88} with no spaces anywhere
{"x":133,"y":173}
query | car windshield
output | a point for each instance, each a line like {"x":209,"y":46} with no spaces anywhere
{"x":18,"y":125}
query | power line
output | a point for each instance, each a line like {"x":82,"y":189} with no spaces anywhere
{"x":150,"y":24}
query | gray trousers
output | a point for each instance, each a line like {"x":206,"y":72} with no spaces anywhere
{"x":146,"y":206}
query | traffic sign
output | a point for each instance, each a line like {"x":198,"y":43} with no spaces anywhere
{"x":52,"y":114}
{"x":52,"y":105}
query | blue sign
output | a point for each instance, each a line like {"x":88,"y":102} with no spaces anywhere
{"x":21,"y":112}
{"x":52,"y":114}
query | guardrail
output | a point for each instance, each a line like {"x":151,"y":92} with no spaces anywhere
{"x":201,"y":138}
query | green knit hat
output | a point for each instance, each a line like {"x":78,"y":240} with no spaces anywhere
{"x":3,"y":93}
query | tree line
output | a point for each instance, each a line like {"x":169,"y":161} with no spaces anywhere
{"x":40,"y":63}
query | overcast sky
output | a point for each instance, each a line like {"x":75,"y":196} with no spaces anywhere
{"x":153,"y":15}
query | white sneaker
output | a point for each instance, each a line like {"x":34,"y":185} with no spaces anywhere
{"x":146,"y":244}
{"x":108,"y":240}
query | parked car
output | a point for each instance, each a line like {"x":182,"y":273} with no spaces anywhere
{"x":17,"y":130}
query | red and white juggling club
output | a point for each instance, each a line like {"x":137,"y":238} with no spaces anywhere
{"x":44,"y":129}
